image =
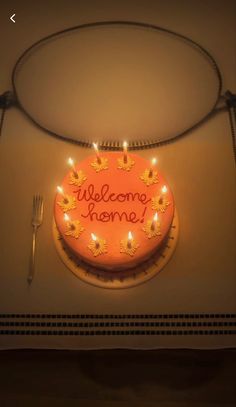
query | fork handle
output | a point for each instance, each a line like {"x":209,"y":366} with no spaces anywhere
{"x":32,"y":257}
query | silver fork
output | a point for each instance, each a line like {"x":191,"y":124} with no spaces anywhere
{"x":37,"y":220}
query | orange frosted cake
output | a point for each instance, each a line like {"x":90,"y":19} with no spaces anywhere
{"x":114,"y":211}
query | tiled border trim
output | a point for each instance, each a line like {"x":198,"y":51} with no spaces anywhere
{"x":117,"y":324}
{"x":119,"y":316}
{"x":117,"y":332}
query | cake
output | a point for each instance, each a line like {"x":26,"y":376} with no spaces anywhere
{"x":114,"y":210}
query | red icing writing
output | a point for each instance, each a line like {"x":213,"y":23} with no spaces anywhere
{"x":105,"y":195}
{"x":89,"y":194}
{"x":110,"y":216}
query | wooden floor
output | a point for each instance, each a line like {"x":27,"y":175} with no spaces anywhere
{"x":117,"y":378}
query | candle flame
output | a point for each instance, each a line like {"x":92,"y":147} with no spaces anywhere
{"x":153,"y":161}
{"x":164,"y":189}
{"x":71,"y":162}
{"x":66,"y":217}
{"x":95,"y":145}
{"x":94,"y":237}
{"x":60,"y":190}
{"x":125,"y":145}
{"x":155,"y":217}
{"x":130,"y":236}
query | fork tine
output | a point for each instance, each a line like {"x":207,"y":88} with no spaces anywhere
{"x":34,"y":203}
{"x":40,"y":206}
{"x":37,"y":206}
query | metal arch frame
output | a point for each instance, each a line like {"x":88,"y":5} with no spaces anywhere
{"x":116,"y":145}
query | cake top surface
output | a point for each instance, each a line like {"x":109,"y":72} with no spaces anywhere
{"x":114,"y":213}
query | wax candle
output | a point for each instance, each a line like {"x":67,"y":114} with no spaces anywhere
{"x":95,"y":145}
{"x":154,"y":221}
{"x":125,"y":146}
{"x":61,"y":191}
{"x":72,"y":165}
{"x":66,"y":217}
{"x":163,"y":192}
{"x":69,"y":223}
{"x":95,"y":239}
{"x":153,"y":163}
{"x":129,"y":240}
{"x":97,"y":245}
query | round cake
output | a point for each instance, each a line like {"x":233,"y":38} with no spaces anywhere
{"x":114,"y":210}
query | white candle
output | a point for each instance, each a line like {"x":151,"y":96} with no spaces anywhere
{"x":95,"y":239}
{"x":95,"y":145}
{"x":69,"y":223}
{"x":154,"y":221}
{"x":129,"y":241}
{"x":153,"y":163}
{"x":163,"y":192}
{"x":60,"y":190}
{"x":125,"y":146}
{"x":72,"y":165}
{"x":164,"y":189}
{"x":66,"y":217}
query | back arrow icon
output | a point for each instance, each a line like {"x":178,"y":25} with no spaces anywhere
{"x":12,"y":18}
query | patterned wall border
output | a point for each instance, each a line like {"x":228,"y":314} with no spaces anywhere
{"x":104,"y":324}
{"x":120,"y":316}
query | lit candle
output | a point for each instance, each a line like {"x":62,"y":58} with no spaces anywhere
{"x":95,"y":239}
{"x":164,"y":191}
{"x":154,"y":221}
{"x":129,"y":240}
{"x":153,"y":163}
{"x":72,"y":165}
{"x":61,"y":191}
{"x":95,"y":145}
{"x":69,"y":223}
{"x":125,"y":146}
{"x":66,"y":217}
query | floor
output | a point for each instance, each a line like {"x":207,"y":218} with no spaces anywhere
{"x":117,"y":378}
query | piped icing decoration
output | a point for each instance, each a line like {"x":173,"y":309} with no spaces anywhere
{"x":160,"y":202}
{"x":100,"y":163}
{"x":68,"y":202}
{"x":77,"y":178}
{"x":122,"y":165}
{"x":129,"y":245}
{"x":152,"y":227}
{"x":149,"y":176}
{"x":125,"y":162}
{"x":74,"y":227}
{"x":97,"y":245}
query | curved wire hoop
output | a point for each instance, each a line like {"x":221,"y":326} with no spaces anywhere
{"x":117,"y":145}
